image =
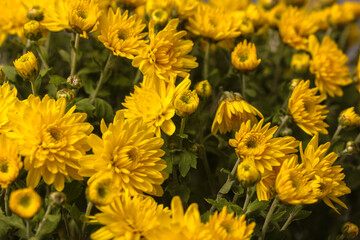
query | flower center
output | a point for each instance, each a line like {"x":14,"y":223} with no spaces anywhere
{"x":25,"y":201}
{"x":4,"y":168}
{"x":124,"y":34}
{"x":243,"y":56}
{"x":102,"y":191}
{"x":251,"y":143}
{"x":133,"y":154}
{"x":55,"y":134}
{"x":228,"y":226}
{"x":82,"y":13}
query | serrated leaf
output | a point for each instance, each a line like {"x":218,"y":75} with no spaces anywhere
{"x":278,"y":215}
{"x":257,"y":206}
{"x":50,"y":224}
{"x":56,"y":79}
{"x":226,"y":187}
{"x":85,"y":106}
{"x":10,"y":72}
{"x":64,"y":55}
{"x":43,"y":52}
{"x":103,"y":110}
{"x":187,"y":160}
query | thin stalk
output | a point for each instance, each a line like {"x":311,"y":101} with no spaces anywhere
{"x":74,"y":50}
{"x":182,"y":129}
{"x":235,"y":198}
{"x":206,"y":61}
{"x":268,"y":217}
{"x":282,"y":124}
{"x":288,"y":221}
{"x":101,"y":79}
{"x":43,"y":219}
{"x":247,"y":199}
{"x":336,"y":134}
{"x":87,"y":213}
{"x":243,"y":81}
{"x":6,"y":199}
{"x":229,"y":179}
{"x":208,"y":171}
{"x":27,"y":223}
{"x":137,"y":77}
{"x":357,"y":139}
{"x":33,"y":87}
{"x":66,"y":222}
{"x":41,"y":56}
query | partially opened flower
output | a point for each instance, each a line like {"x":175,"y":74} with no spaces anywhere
{"x":247,"y":172}
{"x":10,"y":161}
{"x":244,"y":58}
{"x":300,"y":62}
{"x":27,"y":66}
{"x":186,"y":103}
{"x":25,"y":202}
{"x":102,"y":190}
{"x":348,"y":118}
{"x":203,"y":89}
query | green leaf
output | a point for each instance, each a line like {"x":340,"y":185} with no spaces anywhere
{"x":302,"y":215}
{"x":187,"y":160}
{"x":257,"y":206}
{"x":103,"y":110}
{"x":50,"y":224}
{"x":226,"y":187}
{"x":179,"y":190}
{"x":43,"y":72}
{"x":250,"y":92}
{"x":64,"y":55}
{"x":278,"y":215}
{"x":44,"y":53}
{"x":10,"y":72}
{"x":56,"y":79}
{"x":85,"y":106}
{"x":184,"y":135}
{"x":231,"y":207}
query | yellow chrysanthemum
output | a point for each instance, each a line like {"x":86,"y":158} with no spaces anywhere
{"x":306,"y":109}
{"x":27,"y":66}
{"x":10,"y":161}
{"x":265,"y":188}
{"x":328,"y":177}
{"x":56,"y":15}
{"x":51,"y":140}
{"x":122,"y":34}
{"x":247,"y":172}
{"x":341,"y":14}
{"x":203,"y":89}
{"x":273,"y":16}
{"x":295,"y":26}
{"x":83,"y":16}
{"x":131,"y":217}
{"x":213,"y":23}
{"x":186,"y":103}
{"x":229,"y":5}
{"x":232,"y":111}
{"x":8,"y":102}
{"x":328,"y":65}
{"x":186,"y":8}
{"x":25,"y":202}
{"x":226,"y":226}
{"x":293,"y":184}
{"x":258,"y":142}
{"x":129,"y":153}
{"x":244,"y":57}
{"x":102,"y":190}
{"x":348,"y":118}
{"x":33,"y":30}
{"x":153,"y":108}
{"x":321,"y":18}
{"x":166,"y":56}
{"x":300,"y":62}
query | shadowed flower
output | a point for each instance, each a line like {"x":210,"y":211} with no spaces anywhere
{"x":348,"y":118}
{"x":25,"y":202}
{"x":203,"y":89}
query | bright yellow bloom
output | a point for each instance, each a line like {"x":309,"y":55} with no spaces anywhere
{"x":229,"y":5}
{"x":8,"y":102}
{"x":256,"y":15}
{"x":27,"y":66}
{"x":156,"y":104}
{"x":321,"y":18}
{"x":122,"y":34}
{"x":133,"y":3}
{"x":129,"y":153}
{"x":341,"y":14}
{"x":186,"y":8}
{"x":51,"y":140}
{"x":265,"y":188}
{"x":186,"y":103}
{"x":10,"y":161}
{"x":83,"y":16}
{"x":328,"y":65}
{"x":295,"y":26}
{"x":258,"y":142}
{"x":232,"y":111}
{"x":159,"y":5}
{"x":348,"y":118}
{"x":273,"y":15}
{"x":213,"y":23}
{"x":244,"y":57}
{"x":300,"y":62}
{"x":25,"y":202}
{"x":203,"y":89}
{"x":56,"y":15}
{"x":328,"y":177}
{"x":167,"y":54}
{"x":306,"y":109}
{"x":102,"y":190}
{"x":160,"y":17}
{"x":293,"y":184}
{"x":131,"y":217}
{"x":227,"y":226}
{"x":247,"y":172}
{"x":33,"y":30}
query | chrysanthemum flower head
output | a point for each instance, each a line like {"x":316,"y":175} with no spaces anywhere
{"x":329,"y":178}
{"x":306,"y":110}
{"x":203,"y":89}
{"x":295,"y":26}
{"x":166,"y":56}
{"x":244,"y":57}
{"x":186,"y":103}
{"x":232,"y":111}
{"x":122,"y":34}
{"x":10,"y":161}
{"x":328,"y":65}
{"x":229,"y":5}
{"x":247,"y":172}
{"x":83,"y":16}
{"x":129,"y":153}
{"x":57,"y":15}
{"x":186,"y":8}
{"x":265,"y":188}
{"x":300,"y":62}
{"x":51,"y":140}
{"x":341,"y":14}
{"x":348,"y":118}
{"x":27,"y":66}
{"x":224,"y":225}
{"x":102,"y":190}
{"x":8,"y":102}
{"x":25,"y":202}
{"x":131,"y":217}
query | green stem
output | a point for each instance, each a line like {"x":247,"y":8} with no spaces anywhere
{"x":27,"y":223}
{"x":336,"y":134}
{"x":182,"y":129}
{"x":66,"y":222}
{"x":32,"y":82}
{"x":247,"y":198}
{"x":206,"y":61}
{"x":235,"y":198}
{"x":288,"y":221}
{"x":87,"y":213}
{"x":282,"y":124}
{"x":357,"y":139}
{"x":6,"y":199}
{"x":43,"y":219}
{"x":268,"y":218}
{"x":101,"y":79}
{"x":228,"y":181}
{"x":41,"y":56}
{"x":74,"y":50}
{"x":243,"y":81}
{"x":208,"y":171}
{"x":137,"y":77}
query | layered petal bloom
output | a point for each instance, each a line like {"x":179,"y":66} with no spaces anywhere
{"x":328,"y":65}
{"x":10,"y":161}
{"x":122,"y":34}
{"x":306,"y":109}
{"x":244,"y":57}
{"x":51,"y":140}
{"x":129,"y":153}
{"x":8,"y":102}
{"x":57,"y":15}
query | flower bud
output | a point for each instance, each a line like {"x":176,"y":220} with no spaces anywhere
{"x":247,"y":172}
{"x":160,"y":17}
{"x":300,"y":62}
{"x":66,"y":93}
{"x":203,"y":89}
{"x":73,"y":82}
{"x":25,"y":202}
{"x":58,"y":198}
{"x":350,"y":230}
{"x":350,"y":147}
{"x":294,"y":83}
{"x":36,"y":13}
{"x":32,"y":30}
{"x":101,"y":191}
{"x":348,"y":118}
{"x":27,"y":66}
{"x":186,"y":103}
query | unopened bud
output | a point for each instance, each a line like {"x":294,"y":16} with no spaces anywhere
{"x":203,"y":89}
{"x":66,"y":93}
{"x":33,"y":30}
{"x":350,"y":147}
{"x":27,"y":66}
{"x":160,"y":16}
{"x":58,"y":198}
{"x":350,"y":230}
{"x":36,"y":13}
{"x":348,"y":118}
{"x":186,"y":103}
{"x":247,"y":172}
{"x":74,"y":82}
{"x":294,"y":83}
